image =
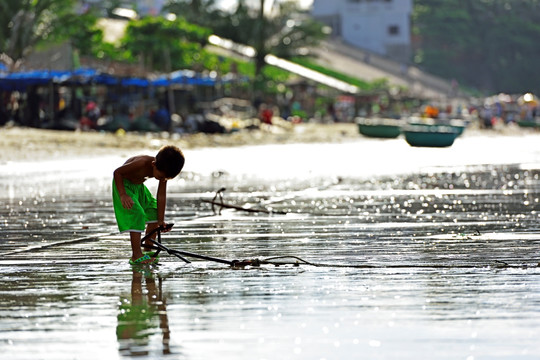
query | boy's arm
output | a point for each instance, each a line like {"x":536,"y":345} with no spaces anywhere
{"x":161,"y":202}
{"x":127,"y":201}
{"x":119,"y":176}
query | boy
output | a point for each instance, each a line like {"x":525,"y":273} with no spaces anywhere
{"x":134,"y":205}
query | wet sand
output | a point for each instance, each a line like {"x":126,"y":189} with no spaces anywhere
{"x":439,"y":246}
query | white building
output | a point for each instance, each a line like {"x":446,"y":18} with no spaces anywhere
{"x":380,"y":26}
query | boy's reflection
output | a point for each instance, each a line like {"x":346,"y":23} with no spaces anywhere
{"x":141,"y":316}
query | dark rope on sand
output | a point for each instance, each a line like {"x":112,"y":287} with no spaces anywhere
{"x":297,"y":261}
{"x":93,"y":237}
{"x":215,"y":204}
{"x":274,"y":260}
{"x":58,"y":243}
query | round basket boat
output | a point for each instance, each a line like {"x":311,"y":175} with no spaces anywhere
{"x":430,"y":135}
{"x":379,"y":127}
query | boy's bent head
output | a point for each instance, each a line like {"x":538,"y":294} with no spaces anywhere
{"x":170,"y":160}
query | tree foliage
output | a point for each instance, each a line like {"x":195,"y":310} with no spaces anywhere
{"x":25,"y":23}
{"x":200,"y":12}
{"x":284,"y":33}
{"x":490,"y":44}
{"x":83,"y":33}
{"x":164,"y":44}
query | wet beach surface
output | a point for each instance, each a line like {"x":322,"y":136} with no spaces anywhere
{"x":415,"y":254}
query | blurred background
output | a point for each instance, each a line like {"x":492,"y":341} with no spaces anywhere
{"x":189,"y":66}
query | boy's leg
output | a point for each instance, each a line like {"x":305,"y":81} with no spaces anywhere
{"x":136,"y":250}
{"x":149,"y":228}
{"x":149,"y":205}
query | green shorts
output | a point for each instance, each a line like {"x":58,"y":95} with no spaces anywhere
{"x":144,"y":208}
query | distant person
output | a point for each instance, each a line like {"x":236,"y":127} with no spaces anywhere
{"x":331,"y":111}
{"x":134,"y":206}
{"x":4,"y":118}
{"x":93,"y":112}
{"x":266,"y":114}
{"x":431,"y":112}
{"x":13,"y":107}
{"x":162,"y":118}
{"x":32,"y":101}
{"x":90,"y":118}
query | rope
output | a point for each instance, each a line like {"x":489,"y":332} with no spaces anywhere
{"x":74,"y":241}
{"x":299,"y":261}
{"x":59,"y":243}
{"x":294,"y":260}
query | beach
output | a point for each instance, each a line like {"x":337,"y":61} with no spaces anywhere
{"x":385,"y":250}
{"x":28,"y":144}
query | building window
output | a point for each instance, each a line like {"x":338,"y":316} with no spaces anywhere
{"x":393,"y":30}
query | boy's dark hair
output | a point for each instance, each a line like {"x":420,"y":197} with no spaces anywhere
{"x":170,"y":160}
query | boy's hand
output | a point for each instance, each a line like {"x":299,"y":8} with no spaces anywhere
{"x":127,"y":201}
{"x":165,"y":227}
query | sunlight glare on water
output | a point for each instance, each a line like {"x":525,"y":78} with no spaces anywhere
{"x":359,"y":159}
{"x":413,"y":254}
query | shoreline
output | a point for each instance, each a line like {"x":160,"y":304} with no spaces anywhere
{"x":33,"y":144}
{"x":21,"y":144}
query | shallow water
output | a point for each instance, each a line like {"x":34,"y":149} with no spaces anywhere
{"x":432,"y":256}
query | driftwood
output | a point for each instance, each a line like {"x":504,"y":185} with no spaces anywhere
{"x":217,"y":202}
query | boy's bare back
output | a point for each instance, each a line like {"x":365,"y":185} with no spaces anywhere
{"x":137,"y":169}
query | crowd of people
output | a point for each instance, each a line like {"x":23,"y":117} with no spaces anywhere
{"x":68,"y":110}
{"x":505,"y":109}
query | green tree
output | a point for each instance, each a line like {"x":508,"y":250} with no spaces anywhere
{"x":286,"y":33}
{"x":25,"y":23}
{"x":82,"y":32}
{"x":491,"y":45}
{"x":200,"y":12}
{"x":163,"y":44}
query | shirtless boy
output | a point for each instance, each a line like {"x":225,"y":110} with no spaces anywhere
{"x":134,"y":205}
